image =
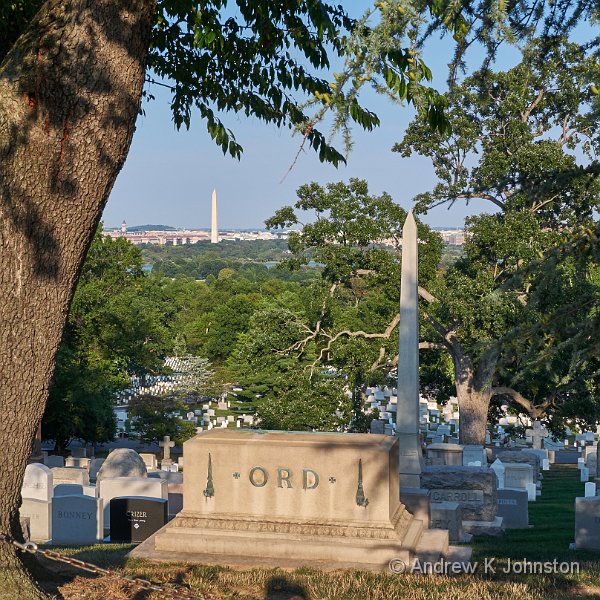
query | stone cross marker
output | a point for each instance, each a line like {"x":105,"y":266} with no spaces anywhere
{"x":166,"y":445}
{"x":408,"y":361}
{"x":537,"y":434}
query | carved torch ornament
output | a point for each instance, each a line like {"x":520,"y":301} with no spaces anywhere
{"x":209,"y":492}
{"x":361,"y":500}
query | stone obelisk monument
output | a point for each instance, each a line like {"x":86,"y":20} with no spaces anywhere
{"x":408,"y":362}
{"x":214,"y":229}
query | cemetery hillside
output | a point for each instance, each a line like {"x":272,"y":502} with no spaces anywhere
{"x":349,"y":401}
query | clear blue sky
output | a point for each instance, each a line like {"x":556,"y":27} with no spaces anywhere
{"x":169,"y":175}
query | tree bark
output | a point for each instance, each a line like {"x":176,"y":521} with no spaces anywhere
{"x":474,"y":407}
{"x":70,"y":91}
{"x":473,"y":392}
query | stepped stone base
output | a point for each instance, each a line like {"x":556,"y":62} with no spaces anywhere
{"x":292,"y":545}
{"x":493,"y":528}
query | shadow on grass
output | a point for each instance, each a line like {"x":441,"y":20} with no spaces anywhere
{"x":280,"y":588}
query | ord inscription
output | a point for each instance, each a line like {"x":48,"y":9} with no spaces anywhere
{"x":259,"y":477}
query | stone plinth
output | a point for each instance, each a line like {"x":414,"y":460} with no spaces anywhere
{"x":517,"y":475}
{"x":474,"y":488}
{"x":445,"y":454}
{"x":513,"y":507}
{"x":587,"y":523}
{"x":518,"y":456}
{"x":289,"y":499}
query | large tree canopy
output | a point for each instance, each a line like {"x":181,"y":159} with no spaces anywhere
{"x":525,"y":142}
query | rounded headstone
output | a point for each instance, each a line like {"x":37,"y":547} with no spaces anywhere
{"x":37,"y":483}
{"x":68,"y":489}
{"x":122,"y":462}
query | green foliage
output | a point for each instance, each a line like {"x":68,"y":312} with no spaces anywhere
{"x":249,"y":259}
{"x":301,"y":404}
{"x":157,"y":416}
{"x":83,"y":388}
{"x":347,"y":233}
{"x":114,"y":330}
{"x":269,"y":60}
{"x":512,"y":136}
{"x":339,"y":331}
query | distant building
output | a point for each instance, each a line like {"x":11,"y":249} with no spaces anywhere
{"x":453,"y":237}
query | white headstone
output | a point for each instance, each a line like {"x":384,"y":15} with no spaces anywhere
{"x":70,"y":475}
{"x":518,"y":475}
{"x":113,"y":487}
{"x":74,"y":461}
{"x":499,"y":469}
{"x":122,"y":462}
{"x":149,"y":460}
{"x":474,"y":453}
{"x":585,"y":474}
{"x":531,"y":492}
{"x":37,"y":483}
{"x":590,"y":489}
{"x":40,"y":518}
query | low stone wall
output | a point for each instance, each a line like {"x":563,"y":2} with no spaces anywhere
{"x":474,"y":488}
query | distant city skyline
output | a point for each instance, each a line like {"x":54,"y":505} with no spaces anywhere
{"x":150,"y":226}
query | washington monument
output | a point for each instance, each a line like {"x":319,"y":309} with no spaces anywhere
{"x":214,"y":228}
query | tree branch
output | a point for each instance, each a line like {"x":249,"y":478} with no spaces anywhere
{"x":355,"y":334}
{"x":525,"y":115}
{"x":427,"y":296}
{"x":301,"y":344}
{"x":483,"y":196}
{"x":533,"y":410}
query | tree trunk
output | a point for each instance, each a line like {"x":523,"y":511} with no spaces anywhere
{"x":473,"y":393}
{"x":474,"y":407}
{"x":70,"y":90}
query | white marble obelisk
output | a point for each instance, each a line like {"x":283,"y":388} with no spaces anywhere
{"x":407,"y":418}
{"x":214,"y":228}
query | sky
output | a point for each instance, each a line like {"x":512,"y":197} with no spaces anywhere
{"x":169,"y":175}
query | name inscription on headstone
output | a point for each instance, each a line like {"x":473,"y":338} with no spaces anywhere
{"x":259,"y":477}
{"x":74,"y":514}
{"x":507,"y":501}
{"x":474,"y":497}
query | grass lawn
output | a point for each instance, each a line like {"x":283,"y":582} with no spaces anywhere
{"x":552,"y":517}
